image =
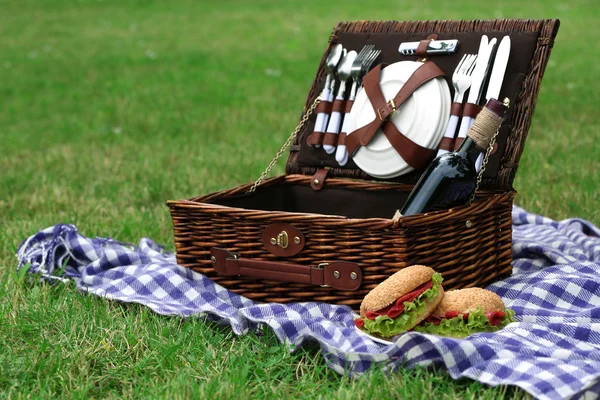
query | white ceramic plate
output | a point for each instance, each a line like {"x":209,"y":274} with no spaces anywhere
{"x":422,"y":118}
{"x":374,"y":338}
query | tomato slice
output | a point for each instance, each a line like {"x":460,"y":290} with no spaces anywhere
{"x":433,"y":319}
{"x":495,"y":317}
{"x":359,"y":323}
{"x":395,"y":309}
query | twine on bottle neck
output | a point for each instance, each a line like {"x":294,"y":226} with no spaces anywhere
{"x":485,"y":126}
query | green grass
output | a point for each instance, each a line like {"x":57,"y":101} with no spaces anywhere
{"x":109,"y":108}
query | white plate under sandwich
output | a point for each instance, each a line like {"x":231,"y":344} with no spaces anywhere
{"x":422,"y":118}
{"x":374,"y":338}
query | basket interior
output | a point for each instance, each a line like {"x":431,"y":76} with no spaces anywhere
{"x":335,"y":201}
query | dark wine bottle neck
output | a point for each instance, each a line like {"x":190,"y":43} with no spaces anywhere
{"x":470,"y":149}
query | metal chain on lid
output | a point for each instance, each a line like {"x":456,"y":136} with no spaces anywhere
{"x":488,"y":152}
{"x":286,"y":145}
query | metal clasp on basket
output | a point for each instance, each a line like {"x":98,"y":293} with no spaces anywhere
{"x":282,"y":240}
{"x":322,"y":266}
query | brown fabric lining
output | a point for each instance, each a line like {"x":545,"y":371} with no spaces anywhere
{"x":352,"y":203}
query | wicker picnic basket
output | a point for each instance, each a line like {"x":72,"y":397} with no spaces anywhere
{"x":328,"y":233}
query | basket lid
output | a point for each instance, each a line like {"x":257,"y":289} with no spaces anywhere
{"x":531,"y":43}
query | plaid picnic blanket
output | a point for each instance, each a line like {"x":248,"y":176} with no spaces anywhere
{"x":552,"y":351}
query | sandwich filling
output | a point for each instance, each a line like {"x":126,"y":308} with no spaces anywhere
{"x":401,"y":314}
{"x":458,"y":324}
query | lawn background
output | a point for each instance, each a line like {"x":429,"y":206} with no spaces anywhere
{"x":109,"y":108}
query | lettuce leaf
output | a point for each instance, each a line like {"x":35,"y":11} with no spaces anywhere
{"x":459,"y":328}
{"x":386,"y":327}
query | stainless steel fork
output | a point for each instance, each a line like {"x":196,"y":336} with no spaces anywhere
{"x":357,"y":67}
{"x":461,"y":80}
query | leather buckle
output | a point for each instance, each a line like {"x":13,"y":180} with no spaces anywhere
{"x":322,"y":266}
{"x":392,"y":104}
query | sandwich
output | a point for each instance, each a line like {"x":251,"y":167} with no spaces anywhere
{"x":400,"y":302}
{"x":464,"y":312}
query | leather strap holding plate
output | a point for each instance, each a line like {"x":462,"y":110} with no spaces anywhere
{"x":340,"y":275}
{"x":415,"y":155}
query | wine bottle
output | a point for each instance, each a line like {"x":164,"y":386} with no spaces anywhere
{"x":450,"y":178}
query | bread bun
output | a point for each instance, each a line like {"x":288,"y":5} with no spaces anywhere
{"x":468,"y":300}
{"x":396,"y":286}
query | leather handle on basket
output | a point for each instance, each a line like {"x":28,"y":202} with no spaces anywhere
{"x":341,"y":275}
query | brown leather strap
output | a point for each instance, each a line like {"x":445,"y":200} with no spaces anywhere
{"x":318,"y":179}
{"x":414,"y":154}
{"x":471,"y":110}
{"x":349,"y":104}
{"x":421,"y":51}
{"x":315,"y":138}
{"x":323,"y":107}
{"x":456,"y":109}
{"x":330,"y":139}
{"x":457,"y":142}
{"x":342,"y":139}
{"x":446,"y":144}
{"x":340,"y":275}
{"x":383,"y":109}
{"x":338,"y":106}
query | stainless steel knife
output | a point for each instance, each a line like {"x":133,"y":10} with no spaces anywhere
{"x":497,"y":75}
{"x":481,"y":69}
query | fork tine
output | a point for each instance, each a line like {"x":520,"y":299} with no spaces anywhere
{"x":472,"y":66}
{"x":460,"y":64}
{"x":467,"y":64}
{"x":363,"y":53}
{"x":373,"y":56}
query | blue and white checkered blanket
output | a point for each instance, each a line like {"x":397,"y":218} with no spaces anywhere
{"x":553,"y":351}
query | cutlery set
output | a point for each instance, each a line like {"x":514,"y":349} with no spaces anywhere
{"x":469,"y":79}
{"x":341,"y":66}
